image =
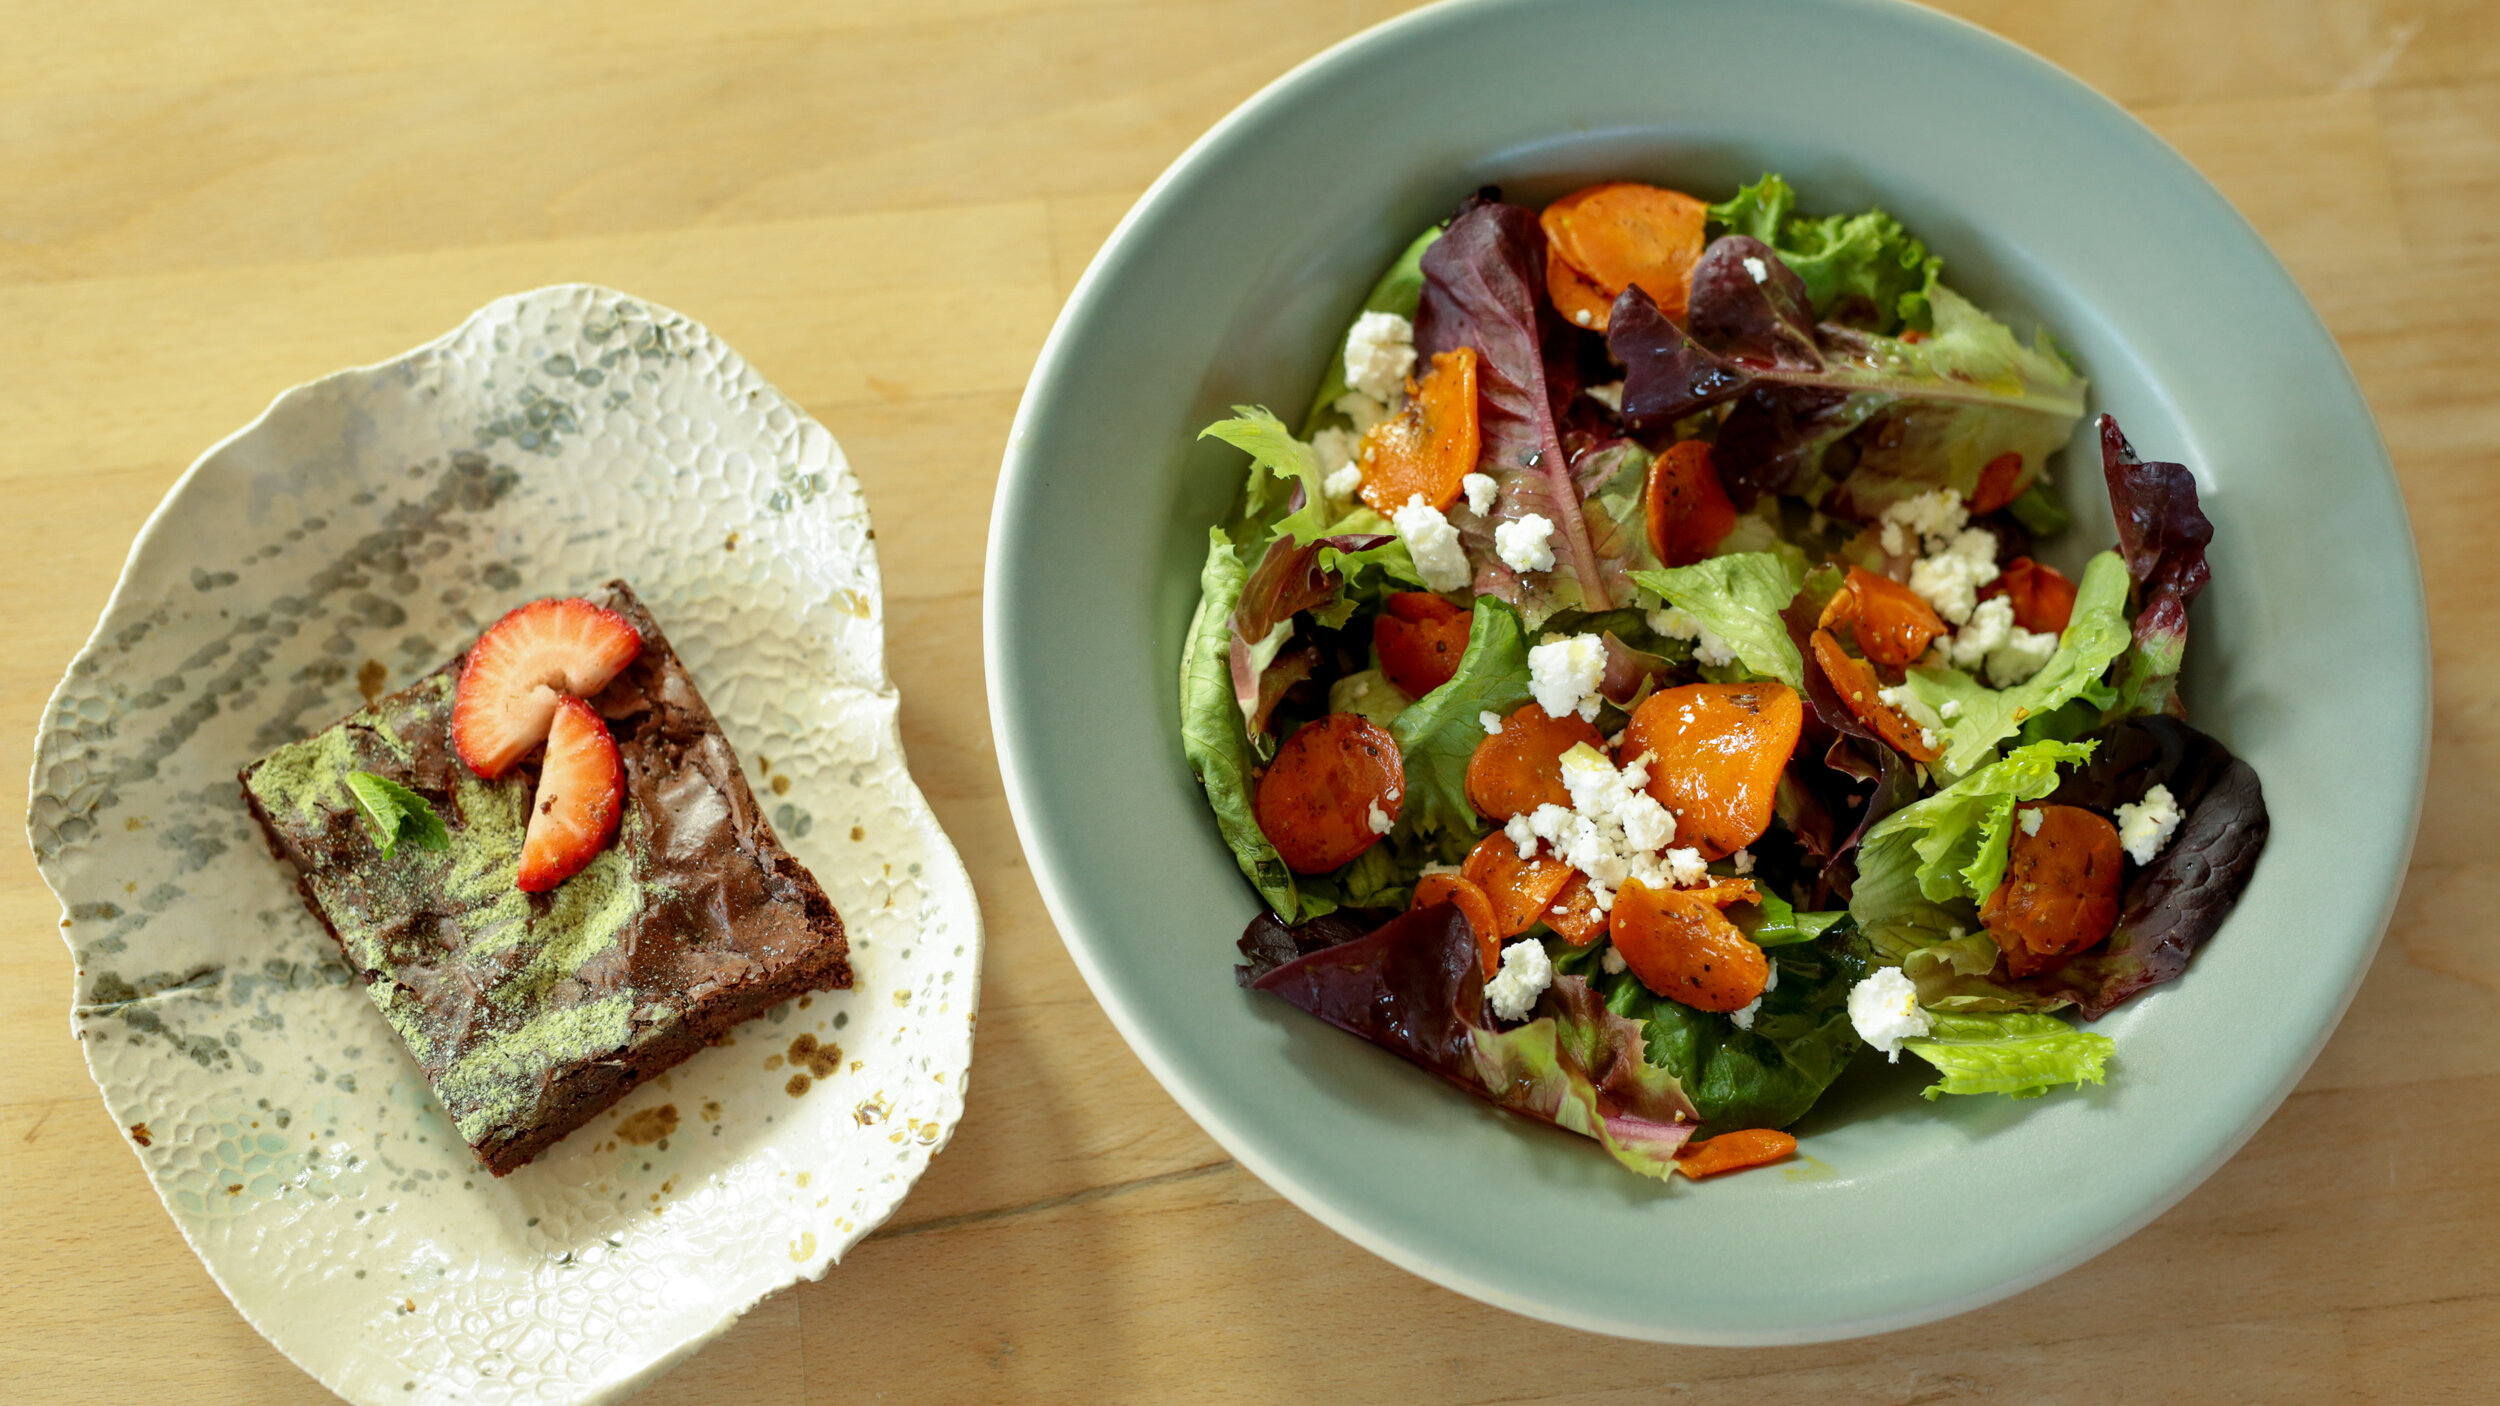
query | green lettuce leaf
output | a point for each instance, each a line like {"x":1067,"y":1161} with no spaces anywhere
{"x":1983,"y":717}
{"x":1766,"y":1077}
{"x":1211,"y":734}
{"x":1775,"y":922}
{"x":397,"y":813}
{"x":1278,"y":462}
{"x":1438,"y":734}
{"x":1398,"y":291}
{"x":1864,"y":264}
{"x":1740,"y":597}
{"x":2013,"y":1053}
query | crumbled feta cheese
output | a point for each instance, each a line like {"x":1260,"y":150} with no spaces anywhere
{"x":1609,"y":395}
{"x":1612,"y":830}
{"x":1687,"y":868}
{"x":1378,"y":819}
{"x":1949,"y":577}
{"x":2024,"y":653}
{"x":1520,"y":830}
{"x":1342,"y":483}
{"x":1884,"y":1008}
{"x":1526,"y":972}
{"x":1742,"y":1016}
{"x":1757,"y":270}
{"x":1335,"y":449}
{"x":1743,"y":859}
{"x":1991,"y":624}
{"x":1379,"y":351}
{"x":1612,"y":960}
{"x":2145,"y":826}
{"x":1491,"y":722}
{"x":1364,"y":411}
{"x":1526,"y":545}
{"x":1930,"y":519}
{"x":1480,"y":489}
{"x":1433,"y":543}
{"x":1952,"y":709}
{"x":1677,"y":623}
{"x":1901,"y":700}
{"x":1584,"y":317}
{"x":2030,"y":820}
{"x":1563,"y":675}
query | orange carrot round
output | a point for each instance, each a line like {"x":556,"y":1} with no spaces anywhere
{"x":1573,"y":914}
{"x":1854,"y":680}
{"x":1318,"y":799}
{"x":1520,"y":768}
{"x":1688,"y":508}
{"x":1621,"y":233}
{"x":1716,"y":751}
{"x":2044,"y":600}
{"x":1893,"y":625}
{"x":1683,"y":948}
{"x":2060,"y":893}
{"x":1421,"y":637}
{"x":1521,"y":889}
{"x":2000,"y":483}
{"x":1473,"y":902}
{"x":1426,"y":449}
{"x":1733,"y":1152}
{"x":1582,"y":303}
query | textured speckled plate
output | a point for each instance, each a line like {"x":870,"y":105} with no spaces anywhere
{"x":1227,"y":284}
{"x":366,"y":527}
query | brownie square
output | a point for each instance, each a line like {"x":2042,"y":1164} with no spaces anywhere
{"x":529,"y":1013}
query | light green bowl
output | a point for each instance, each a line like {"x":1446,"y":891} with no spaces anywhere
{"x":1228,"y":283}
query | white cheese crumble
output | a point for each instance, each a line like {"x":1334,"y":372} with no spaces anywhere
{"x":1526,"y":972}
{"x":1526,"y":545}
{"x":1950,"y":577}
{"x":1378,"y":819}
{"x":1480,"y":489}
{"x":1584,"y":317}
{"x":2009,"y":653}
{"x":1743,"y":1019}
{"x":1343,"y":482}
{"x":1677,"y":623}
{"x":1365,"y":411}
{"x":2145,"y":826}
{"x":1609,"y":395}
{"x":1433,"y":543}
{"x":1757,"y":270}
{"x":2024,"y":653}
{"x":1379,"y":352}
{"x":1563,"y":675}
{"x":1491,"y":722}
{"x":1612,"y":832}
{"x":1612,"y":960}
{"x":2030,"y":820}
{"x":1884,"y":1008}
{"x":1743,"y":860}
{"x":1928,"y":520}
{"x":1901,"y":700}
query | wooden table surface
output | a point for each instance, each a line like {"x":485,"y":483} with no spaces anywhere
{"x":201,"y":205}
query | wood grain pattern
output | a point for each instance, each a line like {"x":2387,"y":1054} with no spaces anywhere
{"x":202,"y":205}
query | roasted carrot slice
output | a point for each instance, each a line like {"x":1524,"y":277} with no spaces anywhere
{"x":1688,"y":508}
{"x":2000,"y":483}
{"x":1521,"y":889}
{"x":1716,"y":751}
{"x":1582,"y":303}
{"x":1421,"y":638}
{"x":1893,"y":626}
{"x":2060,"y":893}
{"x":1334,"y":789}
{"x":2044,"y":600}
{"x":1573,"y":914}
{"x":1427,"y":448}
{"x":1471,"y":900}
{"x":1733,"y":1152}
{"x":1854,"y":680}
{"x":1683,"y":948}
{"x":1622,"y":233}
{"x":1520,"y":768}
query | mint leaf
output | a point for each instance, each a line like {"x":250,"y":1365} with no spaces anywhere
{"x":397,"y":813}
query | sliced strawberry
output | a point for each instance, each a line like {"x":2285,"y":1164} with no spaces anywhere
{"x":518,"y":670}
{"x":581,"y":794}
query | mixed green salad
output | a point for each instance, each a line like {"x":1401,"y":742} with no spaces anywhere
{"x":1636,"y":690}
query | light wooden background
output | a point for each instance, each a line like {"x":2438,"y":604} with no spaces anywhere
{"x":882,"y":206}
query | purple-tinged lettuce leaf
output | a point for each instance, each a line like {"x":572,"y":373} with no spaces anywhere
{"x":2173,"y":905}
{"x":1414,"y":987}
{"x":1292,"y":577}
{"x":1270,"y":942}
{"x":2162,"y":534}
{"x":1212,"y":736}
{"x":1919,"y":415}
{"x":1630,"y":673}
{"x":1484,"y":287}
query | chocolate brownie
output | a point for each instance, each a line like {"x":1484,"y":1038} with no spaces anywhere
{"x":529,"y":1013}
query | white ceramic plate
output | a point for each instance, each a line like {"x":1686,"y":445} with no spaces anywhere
{"x":360,"y":532}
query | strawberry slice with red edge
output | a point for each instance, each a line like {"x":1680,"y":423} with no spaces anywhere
{"x":522,"y":667}
{"x":581,"y":796}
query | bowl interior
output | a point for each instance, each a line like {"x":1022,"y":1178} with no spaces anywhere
{"x":2051,"y":207}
